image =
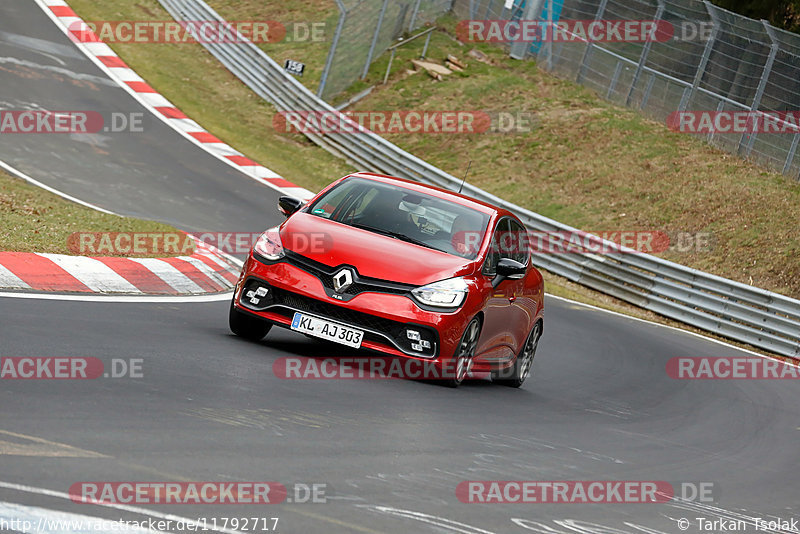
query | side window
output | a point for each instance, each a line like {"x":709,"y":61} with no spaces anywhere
{"x":519,"y":252}
{"x":495,"y":250}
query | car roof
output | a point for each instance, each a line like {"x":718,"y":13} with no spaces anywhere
{"x":435,"y":191}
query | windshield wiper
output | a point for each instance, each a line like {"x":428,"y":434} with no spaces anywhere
{"x":396,"y":235}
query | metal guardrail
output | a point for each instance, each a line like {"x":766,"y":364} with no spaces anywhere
{"x":736,"y":311}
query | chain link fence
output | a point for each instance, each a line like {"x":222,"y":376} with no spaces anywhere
{"x":365,"y":29}
{"x":715,"y":61}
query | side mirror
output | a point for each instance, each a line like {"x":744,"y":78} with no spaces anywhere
{"x":508,"y":269}
{"x":289,"y":205}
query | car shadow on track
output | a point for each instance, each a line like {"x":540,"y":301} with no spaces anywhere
{"x":301,"y":349}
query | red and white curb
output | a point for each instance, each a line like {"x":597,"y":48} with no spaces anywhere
{"x":105,"y":58}
{"x":205,"y":271}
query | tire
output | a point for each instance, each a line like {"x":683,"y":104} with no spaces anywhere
{"x":247,"y":326}
{"x":515,"y":375}
{"x":464,"y":354}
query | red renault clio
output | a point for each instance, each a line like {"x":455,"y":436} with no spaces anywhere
{"x":402,"y":268}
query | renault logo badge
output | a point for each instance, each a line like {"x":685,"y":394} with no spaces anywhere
{"x":342,"y":280}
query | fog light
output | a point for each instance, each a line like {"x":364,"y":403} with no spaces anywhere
{"x":413,"y":335}
{"x":256,"y":295}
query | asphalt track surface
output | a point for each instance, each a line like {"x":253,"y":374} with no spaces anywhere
{"x":208,"y":407}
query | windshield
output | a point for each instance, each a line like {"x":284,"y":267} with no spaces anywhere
{"x":404,"y":214}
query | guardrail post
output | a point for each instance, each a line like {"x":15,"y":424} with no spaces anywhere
{"x":601,"y":9}
{"x":645,"y":52}
{"x":519,"y":48}
{"x":332,"y":52}
{"x":374,"y":39}
{"x":762,"y":84}
{"x":701,"y":68}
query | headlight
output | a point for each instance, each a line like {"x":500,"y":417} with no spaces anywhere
{"x":269,"y":245}
{"x":448,"y":293}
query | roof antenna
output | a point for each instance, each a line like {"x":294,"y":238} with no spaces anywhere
{"x":465,"y":177}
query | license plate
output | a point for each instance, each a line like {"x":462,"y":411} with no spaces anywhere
{"x":329,"y":330}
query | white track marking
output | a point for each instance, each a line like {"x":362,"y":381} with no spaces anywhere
{"x":10,"y":280}
{"x":25,"y":445}
{"x":93,"y":273}
{"x":124,"y":507}
{"x":19,"y":174}
{"x":170,"y":275}
{"x":130,"y":299}
{"x":441,"y":522}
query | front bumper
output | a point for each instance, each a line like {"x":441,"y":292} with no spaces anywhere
{"x":385,"y":318}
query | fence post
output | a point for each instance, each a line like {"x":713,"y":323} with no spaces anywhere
{"x":613,"y":84}
{"x":701,"y":68}
{"x":720,"y":107}
{"x":519,"y":48}
{"x":413,"y":16}
{"x":601,"y":9}
{"x":489,"y":11}
{"x":790,"y":156}
{"x":762,"y":84}
{"x":645,"y":52}
{"x":549,"y":42}
{"x":332,"y":52}
{"x":374,"y":39}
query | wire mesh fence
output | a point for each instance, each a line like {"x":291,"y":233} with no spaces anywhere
{"x":365,"y":29}
{"x":713,"y":64}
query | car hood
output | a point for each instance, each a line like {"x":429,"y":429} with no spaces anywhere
{"x":373,"y":255}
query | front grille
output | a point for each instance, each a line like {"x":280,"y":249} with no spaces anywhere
{"x":337,"y":313}
{"x":285,"y":303}
{"x":360,"y":284}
